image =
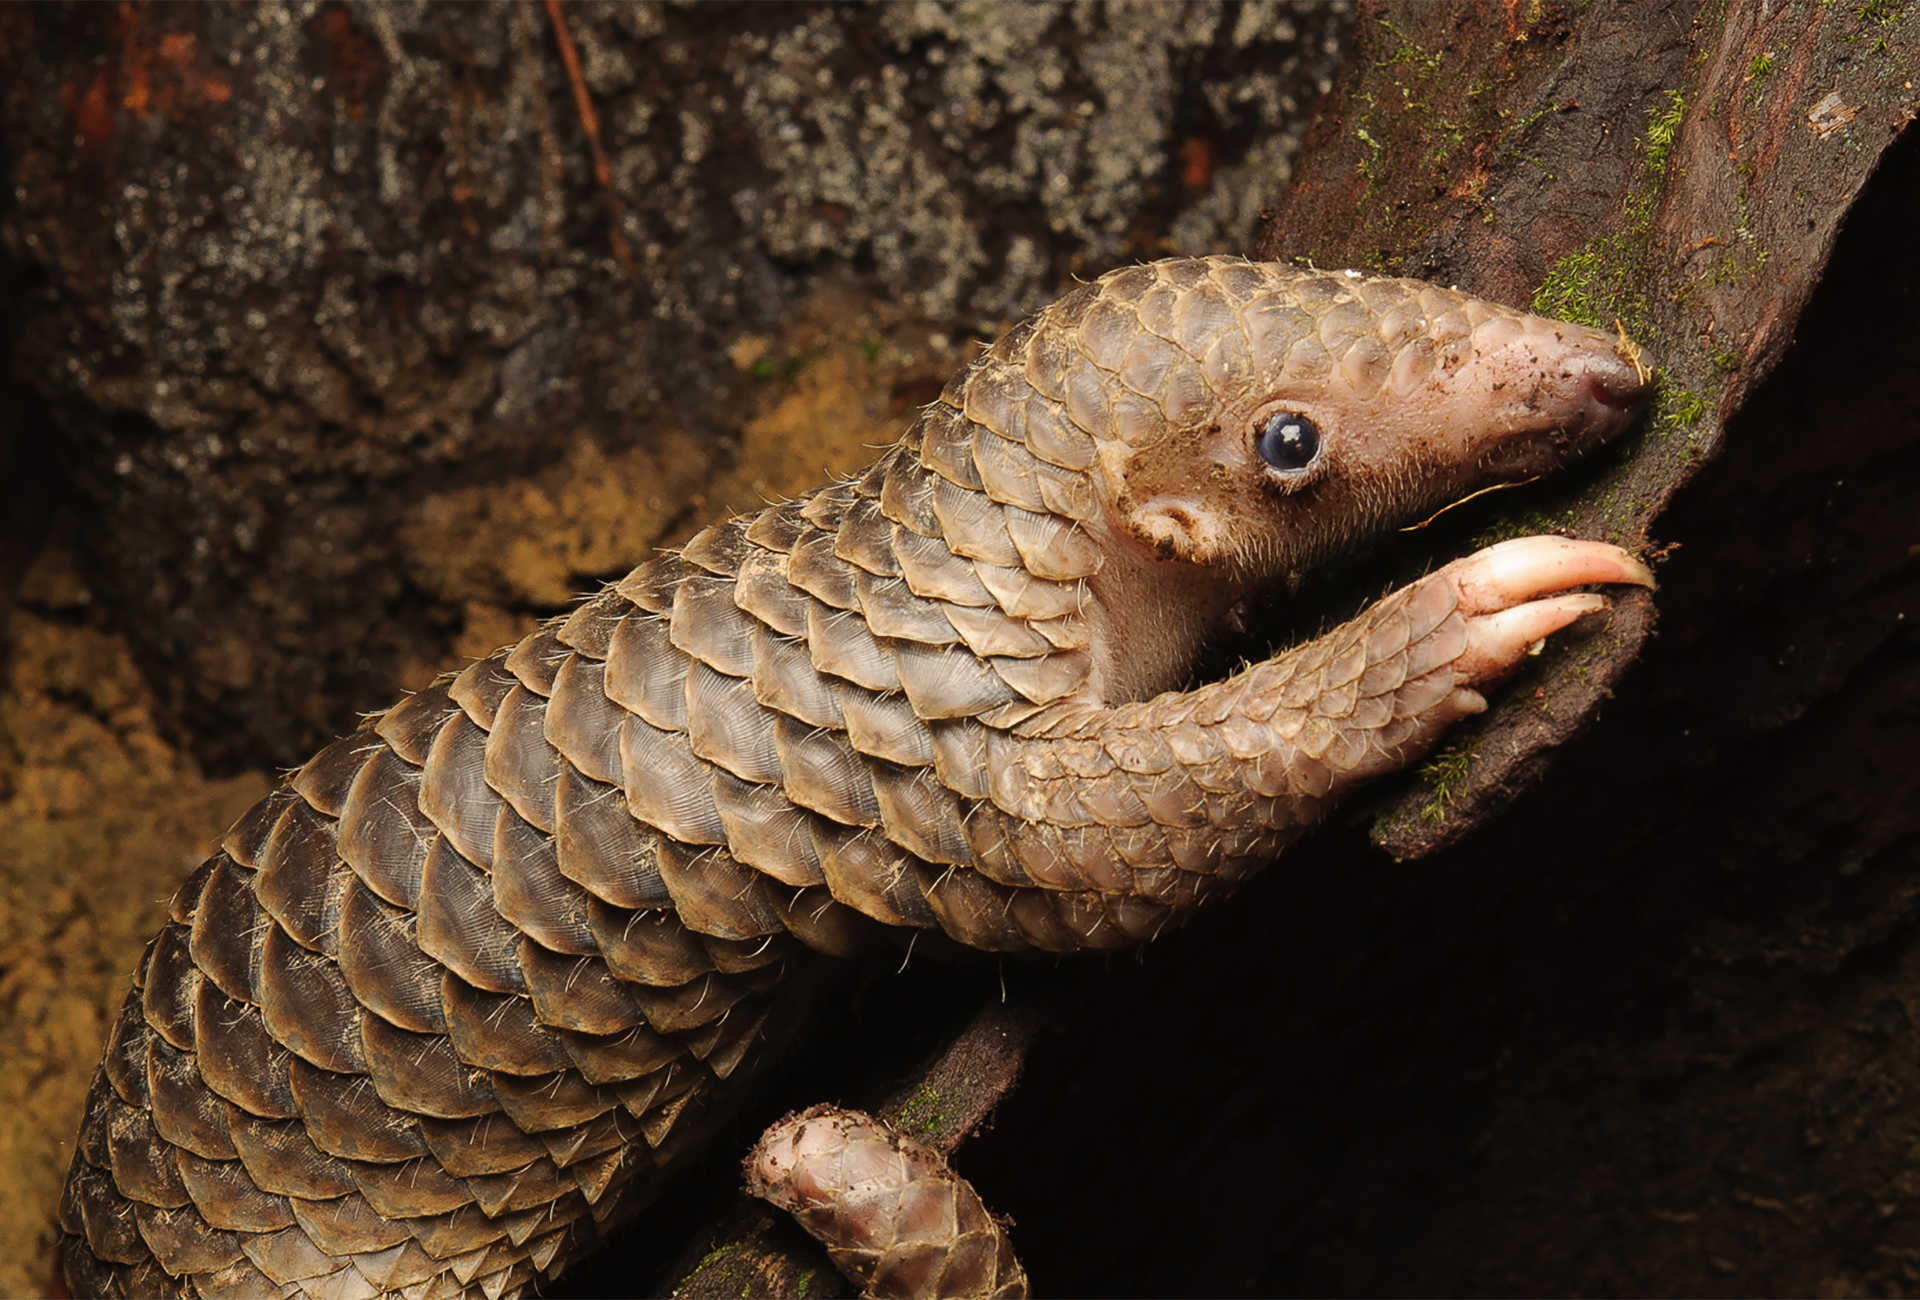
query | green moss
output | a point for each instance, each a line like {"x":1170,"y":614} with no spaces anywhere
{"x":927,"y":1113}
{"x":1528,"y":523}
{"x":711,"y":1261}
{"x":1406,"y":52}
{"x":1447,"y":137}
{"x":786,"y":370}
{"x":1414,"y":77}
{"x":1445,"y":771}
{"x":1739,"y":262}
{"x":1762,"y":64}
{"x":1679,"y":410}
{"x":1603,"y":282}
{"x":1369,"y":167}
{"x":1529,"y":158}
{"x":1586,"y":286}
{"x":1662,"y":126}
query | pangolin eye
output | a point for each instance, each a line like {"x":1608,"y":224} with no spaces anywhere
{"x":1289,"y":442}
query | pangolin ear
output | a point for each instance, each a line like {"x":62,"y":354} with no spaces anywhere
{"x":1179,"y":526}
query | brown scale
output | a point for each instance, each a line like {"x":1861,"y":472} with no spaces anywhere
{"x":457,"y":925}
{"x":445,"y":1001}
{"x":385,"y":967}
{"x":383,"y":832}
{"x":185,"y":1111}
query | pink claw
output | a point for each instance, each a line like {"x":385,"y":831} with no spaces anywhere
{"x":1505,"y":592}
{"x":1527,"y":568}
{"x":1497,"y":642}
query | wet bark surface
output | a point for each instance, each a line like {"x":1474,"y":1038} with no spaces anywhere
{"x":338,"y":356}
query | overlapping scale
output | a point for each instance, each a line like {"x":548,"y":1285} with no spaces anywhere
{"x":516,"y":764}
{"x":458,"y":926}
{"x":346,"y":1117}
{"x":383,"y":964}
{"x":383,"y":834}
{"x":600,"y":846}
{"x":186,"y":1112}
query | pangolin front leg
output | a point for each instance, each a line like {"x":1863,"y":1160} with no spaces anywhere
{"x":1101,"y":826}
{"x":453,"y":996}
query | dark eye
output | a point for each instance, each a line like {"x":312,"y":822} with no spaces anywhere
{"x":1289,"y":442}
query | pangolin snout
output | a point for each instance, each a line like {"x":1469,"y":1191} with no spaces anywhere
{"x":1589,"y":388}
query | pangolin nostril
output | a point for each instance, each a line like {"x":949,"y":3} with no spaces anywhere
{"x":1616,"y":382}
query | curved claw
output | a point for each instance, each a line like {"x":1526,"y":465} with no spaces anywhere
{"x":1498,"y":642}
{"x":1505,"y":592}
{"x":1527,"y":568}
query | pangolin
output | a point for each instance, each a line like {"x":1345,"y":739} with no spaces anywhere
{"x":446,"y":1001}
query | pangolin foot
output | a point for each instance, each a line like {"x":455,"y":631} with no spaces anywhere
{"x":894,"y":1217}
{"x":1505,"y":594}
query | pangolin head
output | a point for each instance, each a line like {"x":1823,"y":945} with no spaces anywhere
{"x":1266,"y":416}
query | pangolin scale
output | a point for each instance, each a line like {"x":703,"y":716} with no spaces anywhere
{"x":447,"y":1000}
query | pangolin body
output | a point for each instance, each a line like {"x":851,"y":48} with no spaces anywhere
{"x":445,"y":1001}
